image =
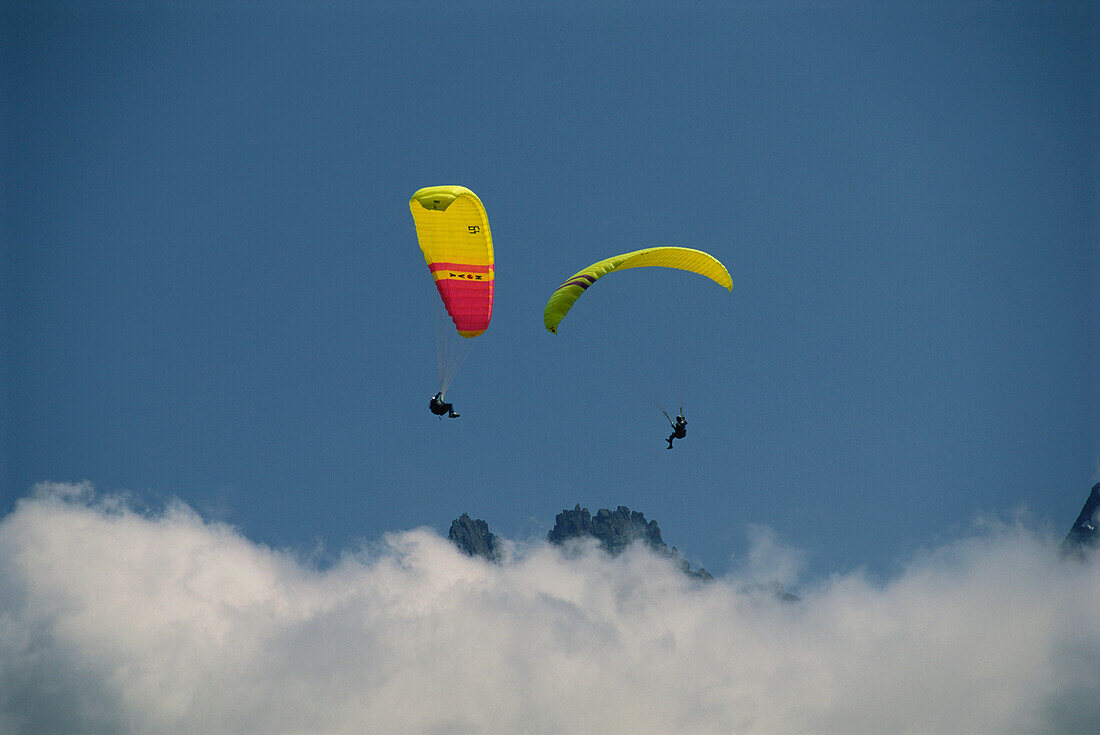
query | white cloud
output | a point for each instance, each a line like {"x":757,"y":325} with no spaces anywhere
{"x":114,"y":621}
{"x":770,"y":559}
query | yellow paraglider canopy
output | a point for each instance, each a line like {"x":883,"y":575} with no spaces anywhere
{"x":685,"y":259}
{"x":453,"y":231}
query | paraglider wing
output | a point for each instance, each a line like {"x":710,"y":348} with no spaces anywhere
{"x":685,"y":259}
{"x":453,"y":231}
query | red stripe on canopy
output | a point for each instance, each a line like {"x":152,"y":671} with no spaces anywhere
{"x":433,"y":267}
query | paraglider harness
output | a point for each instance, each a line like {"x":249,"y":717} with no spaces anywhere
{"x":679,"y":429}
{"x":441,"y":408}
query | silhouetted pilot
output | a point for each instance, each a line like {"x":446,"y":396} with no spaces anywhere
{"x":439,"y":407}
{"x":679,"y":430}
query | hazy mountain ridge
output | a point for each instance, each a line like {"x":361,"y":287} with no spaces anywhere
{"x":616,"y":529}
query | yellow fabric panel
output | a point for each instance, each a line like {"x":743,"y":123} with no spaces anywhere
{"x":452,"y":226}
{"x":686,"y":259}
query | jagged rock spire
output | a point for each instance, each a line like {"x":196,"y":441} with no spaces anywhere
{"x":474,"y":538}
{"x":1084,"y":535}
{"x":615,"y":530}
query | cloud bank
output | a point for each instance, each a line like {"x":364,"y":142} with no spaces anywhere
{"x":118,"y":621}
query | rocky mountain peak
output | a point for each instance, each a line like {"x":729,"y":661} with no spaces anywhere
{"x":1083,"y":534}
{"x":473,"y":537}
{"x":615,"y":530}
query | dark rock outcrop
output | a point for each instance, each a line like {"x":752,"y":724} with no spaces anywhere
{"x":1084,"y":535}
{"x":474,"y":538}
{"x":615,"y":530}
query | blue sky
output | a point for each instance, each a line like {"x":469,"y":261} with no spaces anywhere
{"x":212,"y":289}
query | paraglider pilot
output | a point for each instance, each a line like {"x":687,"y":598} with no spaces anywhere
{"x":679,"y":430}
{"x":440,"y":408}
